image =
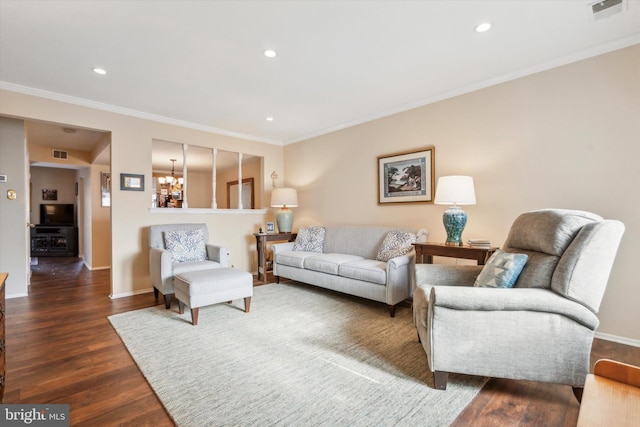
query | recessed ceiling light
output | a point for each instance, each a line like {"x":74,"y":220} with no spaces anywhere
{"x":269,"y":119}
{"x":484,"y":27}
{"x":270,"y":53}
{"x":100,"y":71}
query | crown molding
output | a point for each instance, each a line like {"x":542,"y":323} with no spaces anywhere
{"x":26,"y":90}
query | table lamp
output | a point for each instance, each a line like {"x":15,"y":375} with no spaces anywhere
{"x":455,"y":191}
{"x":284,"y":198}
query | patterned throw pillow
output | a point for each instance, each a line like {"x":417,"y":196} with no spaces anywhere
{"x":396,"y":243}
{"x":186,"y":245}
{"x":309,"y":239}
{"x":502,"y":270}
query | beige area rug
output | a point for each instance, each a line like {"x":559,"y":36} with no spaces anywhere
{"x":303,"y":356}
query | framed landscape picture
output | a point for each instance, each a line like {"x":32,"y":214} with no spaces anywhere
{"x":406,"y":177}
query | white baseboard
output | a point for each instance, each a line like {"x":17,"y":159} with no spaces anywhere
{"x":130,"y":294}
{"x":16,"y":296}
{"x":619,"y":340}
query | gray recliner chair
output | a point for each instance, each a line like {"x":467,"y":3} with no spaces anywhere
{"x":542,"y":329}
{"x":167,"y":258}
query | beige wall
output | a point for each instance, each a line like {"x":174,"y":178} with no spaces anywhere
{"x":131,"y":140}
{"x":14,"y":214}
{"x":564,"y":138}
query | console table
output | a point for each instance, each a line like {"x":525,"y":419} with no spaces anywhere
{"x":54,"y":240}
{"x":261,"y":247}
{"x":426,"y":251}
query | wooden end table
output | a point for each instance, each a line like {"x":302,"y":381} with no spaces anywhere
{"x":426,"y":251}
{"x":261,"y":247}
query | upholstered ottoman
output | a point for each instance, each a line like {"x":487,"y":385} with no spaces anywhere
{"x":206,"y":287}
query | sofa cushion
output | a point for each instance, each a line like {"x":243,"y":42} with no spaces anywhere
{"x":309,"y":239}
{"x":187,"y":245}
{"x":293,"y":258}
{"x":328,"y":263}
{"x":396,"y":243}
{"x":502,"y":270}
{"x":368,"y":270}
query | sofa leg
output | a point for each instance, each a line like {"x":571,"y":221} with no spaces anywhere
{"x":167,"y":301}
{"x":577,"y":392}
{"x":440,"y":379}
{"x":194,"y":315}
{"x":247,"y":304}
{"x":392,"y":310}
{"x":156,"y":293}
{"x":277,"y":279}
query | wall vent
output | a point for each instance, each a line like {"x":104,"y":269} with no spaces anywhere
{"x":59,"y":154}
{"x":606,"y":8}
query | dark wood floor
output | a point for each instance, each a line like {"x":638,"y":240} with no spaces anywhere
{"x":62,"y":349}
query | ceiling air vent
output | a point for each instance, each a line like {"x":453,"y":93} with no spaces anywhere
{"x":606,"y":8}
{"x":59,"y":154}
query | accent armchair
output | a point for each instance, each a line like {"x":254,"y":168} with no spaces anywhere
{"x":542,"y":329}
{"x":180,"y":248}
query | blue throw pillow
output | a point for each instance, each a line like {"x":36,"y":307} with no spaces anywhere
{"x":502,"y":270}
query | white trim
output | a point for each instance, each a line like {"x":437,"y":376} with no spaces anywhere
{"x":206,"y":211}
{"x":16,"y":296}
{"x":129,"y":112}
{"x":130,"y":294}
{"x":618,"y":339}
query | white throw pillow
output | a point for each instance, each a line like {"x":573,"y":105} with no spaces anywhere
{"x":396,"y":243}
{"x":186,"y":245}
{"x":309,"y":239}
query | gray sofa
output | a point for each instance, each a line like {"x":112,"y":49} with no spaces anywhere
{"x":348,"y":264}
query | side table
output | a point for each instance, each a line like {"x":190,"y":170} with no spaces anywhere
{"x":426,"y":251}
{"x":261,"y":247}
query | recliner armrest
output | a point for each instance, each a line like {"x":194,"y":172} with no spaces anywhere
{"x":512,"y":299}
{"x":447,"y":275}
{"x":219,"y":254}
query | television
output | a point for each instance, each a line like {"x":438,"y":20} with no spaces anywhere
{"x":57,"y":214}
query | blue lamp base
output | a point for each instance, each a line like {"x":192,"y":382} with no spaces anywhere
{"x":284,"y":219}
{"x":454,"y":220}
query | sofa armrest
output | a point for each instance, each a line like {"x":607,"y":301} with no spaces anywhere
{"x":218,"y":254}
{"x":160,"y":267}
{"x":281,"y":247}
{"x":515,"y":299}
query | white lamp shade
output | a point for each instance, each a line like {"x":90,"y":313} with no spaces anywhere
{"x":455,"y":190}
{"x":284,"y":197}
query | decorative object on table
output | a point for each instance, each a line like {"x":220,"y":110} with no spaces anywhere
{"x":406,"y":177}
{"x":284,"y":198}
{"x":49,"y":194}
{"x":270,"y":227}
{"x":455,"y":190}
{"x":479,"y":243}
{"x":105,"y":189}
{"x":131,"y":182}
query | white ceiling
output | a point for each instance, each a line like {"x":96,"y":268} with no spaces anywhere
{"x":339,"y":63}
